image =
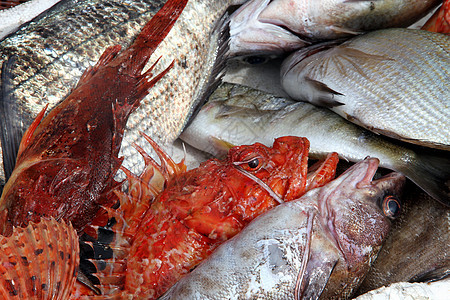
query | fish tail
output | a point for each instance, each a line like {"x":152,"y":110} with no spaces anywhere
{"x":431,"y":173}
{"x":126,"y":219}
{"x":39,"y":261}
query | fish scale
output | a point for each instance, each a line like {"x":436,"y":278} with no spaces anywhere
{"x":52,"y":54}
{"x":385,"y":83}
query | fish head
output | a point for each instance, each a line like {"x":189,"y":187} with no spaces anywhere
{"x":249,"y":34}
{"x":357,"y":211}
{"x":282,"y":167}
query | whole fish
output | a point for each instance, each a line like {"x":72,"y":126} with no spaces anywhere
{"x":160,"y":236}
{"x":44,"y":59}
{"x":395,"y":82}
{"x":67,"y":161}
{"x":417,"y":248}
{"x":236,"y":114}
{"x":320,"y":245}
{"x":275,"y":27}
{"x":440,"y":21}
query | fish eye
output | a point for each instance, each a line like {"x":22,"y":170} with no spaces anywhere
{"x":255,"y":60}
{"x":250,"y":164}
{"x":254,"y":163}
{"x":391,"y":207}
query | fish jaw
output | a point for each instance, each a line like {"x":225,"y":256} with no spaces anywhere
{"x":249,"y":35}
{"x":351,"y":209}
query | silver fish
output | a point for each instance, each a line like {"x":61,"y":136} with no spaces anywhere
{"x":43,"y":61}
{"x":249,"y":116}
{"x":274,"y":27}
{"x":394,"y":82}
{"x":321,"y":244}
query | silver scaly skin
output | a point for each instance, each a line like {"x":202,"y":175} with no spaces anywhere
{"x":239,"y":115}
{"x":393,"y":82}
{"x":320,"y":245}
{"x":43,"y":61}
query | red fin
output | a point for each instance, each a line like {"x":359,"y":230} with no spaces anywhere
{"x":152,"y":35}
{"x":324,"y":171}
{"x":29,"y":133}
{"x":39,"y":261}
{"x":142,"y":190}
{"x":108,"y":55}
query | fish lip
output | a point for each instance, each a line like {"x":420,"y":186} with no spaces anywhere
{"x":372,"y":167}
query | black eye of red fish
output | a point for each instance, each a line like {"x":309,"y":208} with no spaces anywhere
{"x":391,"y":206}
{"x":254,"y":163}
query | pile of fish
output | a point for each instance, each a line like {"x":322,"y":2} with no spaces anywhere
{"x":260,"y":221}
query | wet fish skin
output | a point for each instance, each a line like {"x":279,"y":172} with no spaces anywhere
{"x":438,"y":290}
{"x":52,"y":54}
{"x":393,"y":82}
{"x":237,"y":115}
{"x":67,"y":160}
{"x":280,"y":26}
{"x":417,"y":247}
{"x":267,"y":258}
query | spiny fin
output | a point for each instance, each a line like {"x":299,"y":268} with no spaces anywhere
{"x":39,"y":261}
{"x":108,"y":55}
{"x":219,"y":51}
{"x":30,"y":131}
{"x":111,"y":248}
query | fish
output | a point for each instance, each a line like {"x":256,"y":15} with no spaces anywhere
{"x":417,"y":247}
{"x":43,"y":61}
{"x":438,"y":290}
{"x":67,"y":160}
{"x":440,"y":20}
{"x":15,"y":13}
{"x":393,"y":82}
{"x":236,"y":114}
{"x":171,"y":219}
{"x":264,"y":27}
{"x":319,"y":245}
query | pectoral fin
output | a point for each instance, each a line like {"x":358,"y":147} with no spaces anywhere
{"x":326,"y":95}
{"x":316,"y":268}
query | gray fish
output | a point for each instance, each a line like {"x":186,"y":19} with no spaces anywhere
{"x":43,"y":61}
{"x":274,"y":27}
{"x":248,"y":116}
{"x":321,"y":244}
{"x":394,"y":82}
{"x":417,"y":248}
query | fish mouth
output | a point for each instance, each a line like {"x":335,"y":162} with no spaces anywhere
{"x":249,"y":33}
{"x":372,"y":167}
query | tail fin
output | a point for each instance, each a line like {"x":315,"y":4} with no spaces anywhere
{"x":432,"y":174}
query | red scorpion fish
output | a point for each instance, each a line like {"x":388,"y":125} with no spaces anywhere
{"x":67,"y":161}
{"x":160,"y":241}
{"x":440,"y":21}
